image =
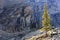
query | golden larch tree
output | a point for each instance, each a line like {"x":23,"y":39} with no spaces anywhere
{"x":45,"y":20}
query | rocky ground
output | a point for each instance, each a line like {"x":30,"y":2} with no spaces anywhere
{"x":11,"y":36}
{"x":18,"y":36}
{"x":34,"y":35}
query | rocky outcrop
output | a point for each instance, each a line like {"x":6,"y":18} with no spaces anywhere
{"x":37,"y":35}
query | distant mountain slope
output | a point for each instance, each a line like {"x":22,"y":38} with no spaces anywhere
{"x":12,"y":15}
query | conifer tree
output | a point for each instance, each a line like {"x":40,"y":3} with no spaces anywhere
{"x":45,"y":20}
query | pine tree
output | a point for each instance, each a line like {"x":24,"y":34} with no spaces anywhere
{"x":45,"y":20}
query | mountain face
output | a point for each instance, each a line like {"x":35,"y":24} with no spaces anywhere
{"x":24,"y":16}
{"x":55,"y":19}
{"x":20,"y":15}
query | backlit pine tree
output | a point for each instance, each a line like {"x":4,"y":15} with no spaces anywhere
{"x":45,"y":20}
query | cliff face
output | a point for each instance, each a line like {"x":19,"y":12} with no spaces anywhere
{"x":27,"y":14}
